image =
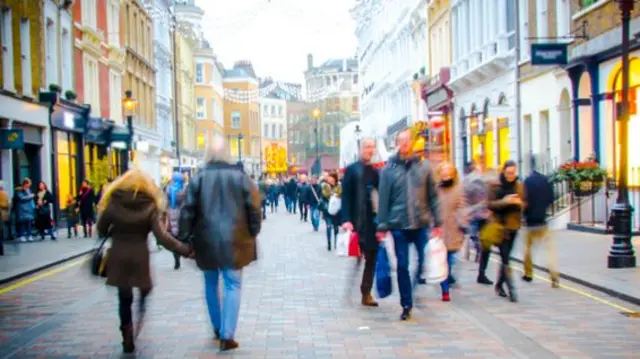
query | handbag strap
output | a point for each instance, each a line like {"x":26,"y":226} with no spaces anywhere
{"x":314,"y":193}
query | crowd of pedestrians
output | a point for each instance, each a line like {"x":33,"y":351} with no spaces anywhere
{"x":216,"y":216}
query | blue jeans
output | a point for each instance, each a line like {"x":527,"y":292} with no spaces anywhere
{"x":287,"y":203}
{"x":24,"y":229}
{"x":332,"y":228}
{"x":401,"y":240}
{"x":315,"y":217}
{"x":451,"y":257}
{"x":224,"y":316}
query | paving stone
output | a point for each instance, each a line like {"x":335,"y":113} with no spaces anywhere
{"x":296,"y":304}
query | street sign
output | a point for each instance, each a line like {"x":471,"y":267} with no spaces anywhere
{"x":549,"y":54}
{"x":12,"y":139}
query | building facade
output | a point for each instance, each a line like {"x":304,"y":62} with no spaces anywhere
{"x":298,"y":126}
{"x":84,"y":151}
{"x":273,"y":119}
{"x":139,"y":78}
{"x":435,"y":107}
{"x":23,"y":63}
{"x":188,"y":34}
{"x":333,"y":91}
{"x":391,"y":49}
{"x":163,"y":27}
{"x":483,"y":78}
{"x":209,"y":96}
{"x":242,"y":115}
{"x":541,"y":114}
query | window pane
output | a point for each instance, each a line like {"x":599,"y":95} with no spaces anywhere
{"x":64,"y":186}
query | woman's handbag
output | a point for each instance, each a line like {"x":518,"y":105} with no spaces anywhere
{"x":491,"y":234}
{"x":99,"y":260}
{"x":383,"y":273}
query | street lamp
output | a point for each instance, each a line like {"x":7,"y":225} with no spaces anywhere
{"x":129,"y":104}
{"x":316,"y":116}
{"x":357,"y":131}
{"x":240,"y":137}
{"x":622,"y":254}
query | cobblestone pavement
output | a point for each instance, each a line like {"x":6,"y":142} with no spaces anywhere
{"x":294,"y":305}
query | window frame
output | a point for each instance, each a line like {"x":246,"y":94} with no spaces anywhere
{"x":201,"y":115}
{"x":236,"y":115}
{"x":200,"y":80}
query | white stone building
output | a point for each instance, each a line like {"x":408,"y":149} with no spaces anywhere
{"x":273,"y":119}
{"x":392,"y":47}
{"x":163,"y":58}
{"x":484,"y":81}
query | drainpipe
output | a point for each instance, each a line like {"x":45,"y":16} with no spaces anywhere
{"x":518,"y":105}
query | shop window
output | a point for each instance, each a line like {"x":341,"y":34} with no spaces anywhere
{"x":66,"y":158}
{"x":503,"y":141}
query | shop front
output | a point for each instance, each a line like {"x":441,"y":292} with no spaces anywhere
{"x":437,"y":129}
{"x":24,"y":142}
{"x":596,"y":81}
{"x":96,"y":154}
{"x":68,"y":125}
{"x":119,"y":137}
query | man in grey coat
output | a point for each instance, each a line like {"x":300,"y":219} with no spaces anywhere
{"x":408,"y":206}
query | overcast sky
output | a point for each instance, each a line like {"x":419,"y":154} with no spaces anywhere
{"x":277,"y":35}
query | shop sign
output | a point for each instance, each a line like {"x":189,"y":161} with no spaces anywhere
{"x":12,"y":139}
{"x":437,"y":97}
{"x":549,"y":54}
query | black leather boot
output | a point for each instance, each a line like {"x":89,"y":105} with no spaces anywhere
{"x":128,"y":345}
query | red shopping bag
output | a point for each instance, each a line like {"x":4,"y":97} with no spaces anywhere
{"x":354,"y":246}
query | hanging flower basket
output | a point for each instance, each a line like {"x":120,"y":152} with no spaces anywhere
{"x":584,"y":178}
{"x":585,"y":189}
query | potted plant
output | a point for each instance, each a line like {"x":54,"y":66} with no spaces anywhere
{"x":584,"y":178}
{"x":55,"y":88}
{"x":70,"y":95}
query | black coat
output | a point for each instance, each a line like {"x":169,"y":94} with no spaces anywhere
{"x":221,"y":216}
{"x":86,"y":202}
{"x":539,"y":193}
{"x":356,"y":202}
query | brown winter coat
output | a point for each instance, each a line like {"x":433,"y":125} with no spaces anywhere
{"x":128,"y":219}
{"x":452,"y":206}
{"x":512,"y":220}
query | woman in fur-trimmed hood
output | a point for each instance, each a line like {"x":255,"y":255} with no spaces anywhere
{"x":129,"y":210}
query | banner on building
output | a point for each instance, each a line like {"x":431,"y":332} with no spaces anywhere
{"x":11,"y":139}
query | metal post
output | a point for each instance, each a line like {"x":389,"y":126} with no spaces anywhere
{"x":239,"y":147}
{"x":129,"y":142}
{"x":622,"y":254}
{"x":174,"y":41}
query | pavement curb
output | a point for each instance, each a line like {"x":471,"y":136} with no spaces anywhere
{"x":611,"y":292}
{"x":43,"y":267}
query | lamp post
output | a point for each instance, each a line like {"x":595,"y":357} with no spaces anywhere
{"x":240,"y":137}
{"x":357,"y":131}
{"x":129,"y":104}
{"x":316,"y":116}
{"x":621,"y":254}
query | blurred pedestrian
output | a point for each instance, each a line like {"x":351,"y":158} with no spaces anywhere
{"x":221,"y":215}
{"x":44,"y":201}
{"x":86,"y":202}
{"x":175,"y":194}
{"x":25,"y":210}
{"x":131,"y":208}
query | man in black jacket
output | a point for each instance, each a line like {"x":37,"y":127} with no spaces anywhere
{"x":221,"y":217}
{"x":290,"y":193}
{"x":359,"y":188}
{"x":535,"y":216}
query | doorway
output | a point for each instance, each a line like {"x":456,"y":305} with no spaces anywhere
{"x":26,"y":163}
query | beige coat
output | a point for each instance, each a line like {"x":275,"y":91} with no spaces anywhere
{"x":452,"y":205}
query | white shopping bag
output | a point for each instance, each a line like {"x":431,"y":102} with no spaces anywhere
{"x":335,"y":203}
{"x":391,"y":251}
{"x":436,"y":261}
{"x":342,"y":243}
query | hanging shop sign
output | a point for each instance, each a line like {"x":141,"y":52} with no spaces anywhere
{"x":549,"y":54}
{"x":12,"y":139}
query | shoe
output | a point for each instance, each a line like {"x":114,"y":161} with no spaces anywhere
{"x":176,"y":265}
{"x":228,"y":344}
{"x":422,"y":281}
{"x":555,"y":283}
{"x":500,"y":291}
{"x":368,"y":301}
{"x":446,"y":297}
{"x":452,"y":280}
{"x":406,"y":314}
{"x":513,"y":298}
{"x":527,"y":278}
{"x":128,"y":345}
{"x":482,"y":279}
